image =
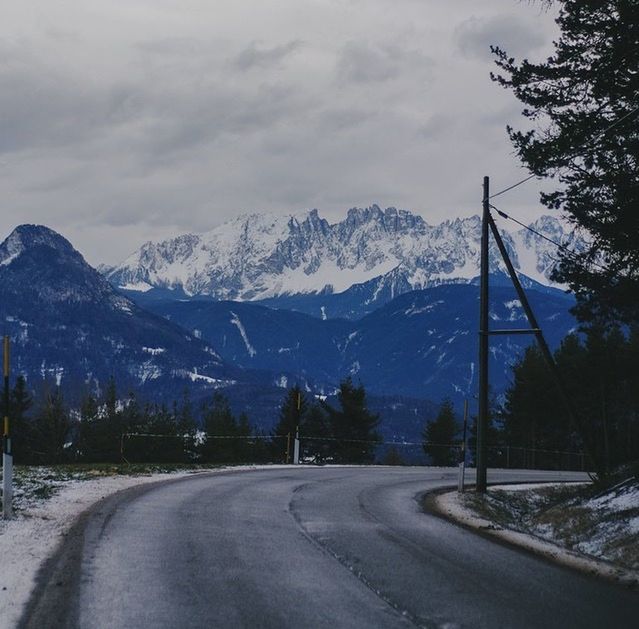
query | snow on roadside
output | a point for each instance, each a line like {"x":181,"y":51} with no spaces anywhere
{"x":41,"y":522}
{"x":617,"y":513}
{"x":585,"y":536}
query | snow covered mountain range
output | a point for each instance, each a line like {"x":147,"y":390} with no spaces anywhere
{"x":264,"y":256}
{"x":70,"y":327}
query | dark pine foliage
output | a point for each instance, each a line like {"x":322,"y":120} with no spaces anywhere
{"x":226,"y":437}
{"x":51,"y":429}
{"x":352,"y":426}
{"x":21,"y":401}
{"x":583,"y":107}
{"x":440,"y":435}
{"x":316,"y":437}
{"x":602,"y":376}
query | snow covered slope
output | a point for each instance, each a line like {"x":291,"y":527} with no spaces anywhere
{"x":71,"y":328}
{"x":261,"y":256}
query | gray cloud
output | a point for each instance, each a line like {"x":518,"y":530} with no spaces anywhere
{"x":180,"y":46}
{"x":123,"y":122}
{"x":255,"y":57}
{"x":361,"y":62}
{"x":518,"y":37}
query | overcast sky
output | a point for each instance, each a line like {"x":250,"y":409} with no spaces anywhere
{"x":123,"y":121}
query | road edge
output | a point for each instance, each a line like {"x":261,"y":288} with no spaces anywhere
{"x":432,"y":502}
{"x":53,"y":599}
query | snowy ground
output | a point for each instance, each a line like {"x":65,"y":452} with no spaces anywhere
{"x":570,"y":523}
{"x":47,"y":502}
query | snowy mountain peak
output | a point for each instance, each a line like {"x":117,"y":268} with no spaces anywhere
{"x":264,"y":255}
{"x":38,"y":261}
{"x":25,"y":237}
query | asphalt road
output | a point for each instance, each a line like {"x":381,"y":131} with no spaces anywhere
{"x":307,"y":547}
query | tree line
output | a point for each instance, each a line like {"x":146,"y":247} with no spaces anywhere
{"x":530,"y":427}
{"x":527,"y":428}
{"x":106,"y":428}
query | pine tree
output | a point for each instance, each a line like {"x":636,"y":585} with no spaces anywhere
{"x":244,"y":448}
{"x":52,"y":427}
{"x":20,"y":403}
{"x":186,"y":425}
{"x":87,"y":438}
{"x":101,"y":428}
{"x":440,"y":434}
{"x":317,"y":442}
{"x":602,"y":378}
{"x":353,"y":425}
{"x":583,"y":106}
{"x":219,"y":422}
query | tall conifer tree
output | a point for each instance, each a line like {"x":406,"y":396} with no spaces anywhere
{"x":582,"y":103}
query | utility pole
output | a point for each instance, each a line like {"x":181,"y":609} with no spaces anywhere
{"x":484,"y":333}
{"x":296,"y":444}
{"x":7,"y":454}
{"x":462,"y":454}
{"x":482,"y":420}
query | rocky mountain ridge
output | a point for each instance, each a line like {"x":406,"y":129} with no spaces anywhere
{"x":264,"y":256}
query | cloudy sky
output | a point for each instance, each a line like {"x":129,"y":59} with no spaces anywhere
{"x":123,"y":121}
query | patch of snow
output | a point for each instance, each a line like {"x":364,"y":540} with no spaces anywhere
{"x":146,"y":371}
{"x":7,"y":261}
{"x":623,"y":499}
{"x":154,"y":351}
{"x":288,"y":350}
{"x":216,"y":382}
{"x":282,"y":382}
{"x":235,"y":320}
{"x":55,"y":371}
{"x":124,"y":305}
{"x":453,"y":505}
{"x":141,"y":287}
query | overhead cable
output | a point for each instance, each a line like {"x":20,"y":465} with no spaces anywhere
{"x":569,"y":251}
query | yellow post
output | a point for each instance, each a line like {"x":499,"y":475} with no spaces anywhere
{"x":7,"y":456}
{"x":6,"y":433}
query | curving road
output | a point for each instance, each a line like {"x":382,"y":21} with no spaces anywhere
{"x":307,"y":547}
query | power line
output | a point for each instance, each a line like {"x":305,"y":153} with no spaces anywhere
{"x":530,"y":229}
{"x":515,"y":185}
{"x":577,"y":148}
{"x":569,"y":251}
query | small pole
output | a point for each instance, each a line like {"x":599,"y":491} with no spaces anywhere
{"x":296,"y":447}
{"x":7,"y":454}
{"x":288,"y":448}
{"x":462,"y":454}
{"x":507,"y":457}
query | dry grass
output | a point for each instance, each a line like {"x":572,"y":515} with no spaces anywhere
{"x":601,"y":522}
